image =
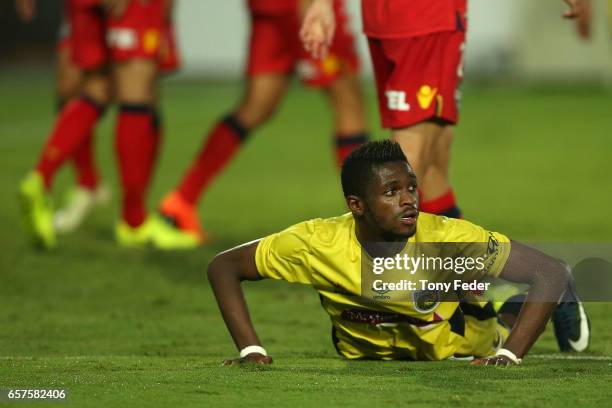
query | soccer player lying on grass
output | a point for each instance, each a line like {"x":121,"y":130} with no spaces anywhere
{"x":381,"y":192}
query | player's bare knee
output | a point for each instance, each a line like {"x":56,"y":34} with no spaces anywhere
{"x":68,"y":84}
{"x":254,"y":113}
{"x":136,"y":82}
{"x":97,"y":86}
{"x":69,"y":77}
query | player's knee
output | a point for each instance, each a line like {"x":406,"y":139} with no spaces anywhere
{"x":415,"y":145}
{"x":68,"y":87}
{"x":97,"y":87}
{"x":136,"y":82}
{"x":254,"y":113}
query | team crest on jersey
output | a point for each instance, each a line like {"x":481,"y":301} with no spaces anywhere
{"x":151,"y":41}
{"x":426,"y":95}
{"x":425,"y":301}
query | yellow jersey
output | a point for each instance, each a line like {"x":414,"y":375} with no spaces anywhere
{"x":368,"y":322}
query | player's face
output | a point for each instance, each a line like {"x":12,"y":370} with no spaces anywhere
{"x":391,"y":204}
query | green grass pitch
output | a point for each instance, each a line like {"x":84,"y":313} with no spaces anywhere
{"x":140,"y":328}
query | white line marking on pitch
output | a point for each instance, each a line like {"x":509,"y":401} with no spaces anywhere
{"x":570,"y":357}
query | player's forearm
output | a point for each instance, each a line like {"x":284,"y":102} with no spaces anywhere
{"x":550,"y":281}
{"x":224,"y":279}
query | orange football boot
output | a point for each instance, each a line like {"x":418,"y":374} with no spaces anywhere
{"x":183,"y":215}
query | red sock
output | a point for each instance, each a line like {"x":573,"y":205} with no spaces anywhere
{"x":346,"y":144}
{"x":73,"y":126}
{"x":135,"y":146}
{"x":85,"y":165}
{"x":221,"y":145}
{"x":443,"y":205}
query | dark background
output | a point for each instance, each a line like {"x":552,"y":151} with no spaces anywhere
{"x":34,"y":40}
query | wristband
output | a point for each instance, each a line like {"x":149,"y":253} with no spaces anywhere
{"x":252,"y":349}
{"x":507,"y":353}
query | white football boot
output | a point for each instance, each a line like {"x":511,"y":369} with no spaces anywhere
{"x":80,"y":202}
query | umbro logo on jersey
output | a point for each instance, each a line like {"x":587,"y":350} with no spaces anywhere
{"x":396,"y":100}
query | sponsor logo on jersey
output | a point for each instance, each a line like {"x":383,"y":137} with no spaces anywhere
{"x":396,"y":100}
{"x":122,"y":38}
{"x":426,"y":95}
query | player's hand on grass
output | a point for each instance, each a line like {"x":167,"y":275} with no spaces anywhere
{"x":115,"y":8}
{"x":253,"y":358}
{"x":498,"y":361}
{"x":318,"y":28}
{"x":26,"y":9}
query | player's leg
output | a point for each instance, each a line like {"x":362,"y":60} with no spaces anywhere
{"x":68,"y":85}
{"x":135,"y":137}
{"x":350,"y":128}
{"x":68,"y":76}
{"x":417,"y":80}
{"x":437,"y":177}
{"x":268,"y":68}
{"x":88,"y":192}
{"x":138,"y":133}
{"x":433,"y":154}
{"x":338,"y":75}
{"x":417,"y":142}
{"x":222,"y":143}
{"x":135,"y":144}
{"x":73,"y":125}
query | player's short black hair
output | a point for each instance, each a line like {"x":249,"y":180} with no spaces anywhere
{"x":358,"y":167}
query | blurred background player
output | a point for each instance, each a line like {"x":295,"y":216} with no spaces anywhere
{"x":117,"y":45}
{"x":88,"y":192}
{"x":417,"y":51}
{"x":275,"y":53}
{"x":416,"y":47}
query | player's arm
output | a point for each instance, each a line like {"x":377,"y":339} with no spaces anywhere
{"x":225,"y":273}
{"x":548,"y":279}
{"x":318,"y":27}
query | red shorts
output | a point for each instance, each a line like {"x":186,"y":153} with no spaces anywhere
{"x":275,"y":48}
{"x":418,"y":78}
{"x":169,"y":56}
{"x":98,"y":39}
